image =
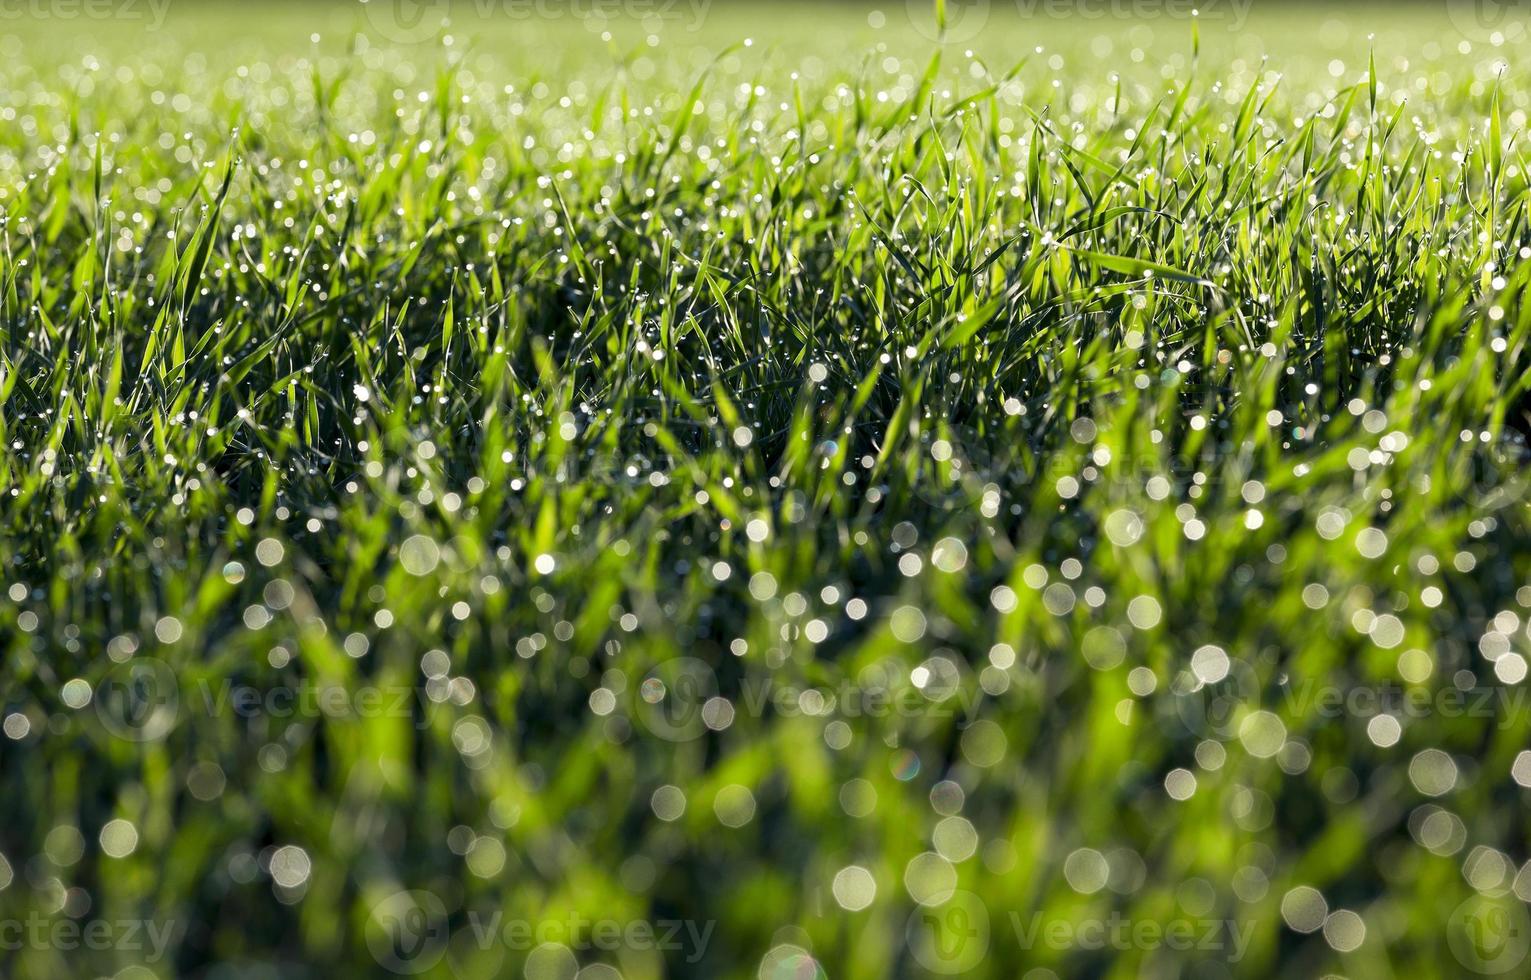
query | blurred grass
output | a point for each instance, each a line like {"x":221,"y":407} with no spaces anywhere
{"x":425,"y":465}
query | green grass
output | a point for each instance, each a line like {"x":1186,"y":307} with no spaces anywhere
{"x":1070,"y":482}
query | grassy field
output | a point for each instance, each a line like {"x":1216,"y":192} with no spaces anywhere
{"x":754,"y":491}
